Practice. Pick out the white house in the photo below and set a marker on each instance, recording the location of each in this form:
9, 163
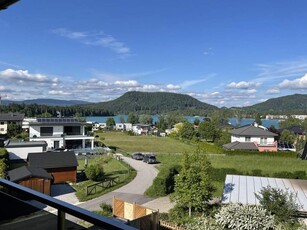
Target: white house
252, 137
60, 132
123, 126
141, 129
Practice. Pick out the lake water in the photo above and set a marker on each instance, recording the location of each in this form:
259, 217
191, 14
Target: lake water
155, 118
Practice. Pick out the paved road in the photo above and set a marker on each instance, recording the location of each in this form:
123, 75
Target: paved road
132, 192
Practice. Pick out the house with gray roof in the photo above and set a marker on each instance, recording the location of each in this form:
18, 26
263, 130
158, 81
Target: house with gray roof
252, 137
10, 118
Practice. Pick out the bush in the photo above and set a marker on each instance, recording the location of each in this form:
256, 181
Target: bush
245, 217
164, 183
106, 210
280, 203
202, 223
286, 154
95, 172
4, 162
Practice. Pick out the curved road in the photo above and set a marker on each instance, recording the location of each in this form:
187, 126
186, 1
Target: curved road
132, 192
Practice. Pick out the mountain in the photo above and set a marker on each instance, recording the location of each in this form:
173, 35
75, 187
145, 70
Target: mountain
291, 104
49, 102
155, 103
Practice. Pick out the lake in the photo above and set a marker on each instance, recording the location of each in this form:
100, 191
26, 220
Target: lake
233, 121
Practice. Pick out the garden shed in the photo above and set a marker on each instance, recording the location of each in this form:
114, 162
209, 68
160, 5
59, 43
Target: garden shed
34, 178
62, 166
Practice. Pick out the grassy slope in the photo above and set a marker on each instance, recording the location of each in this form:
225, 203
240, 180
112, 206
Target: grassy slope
169, 152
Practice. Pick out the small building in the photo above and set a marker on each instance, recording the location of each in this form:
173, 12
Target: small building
123, 126
10, 118
18, 150
62, 165
141, 129
34, 178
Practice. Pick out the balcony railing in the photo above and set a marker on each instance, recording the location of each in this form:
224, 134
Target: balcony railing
63, 208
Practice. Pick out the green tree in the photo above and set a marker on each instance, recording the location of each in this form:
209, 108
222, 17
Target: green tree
110, 123
258, 119
173, 118
208, 131
45, 114
133, 118
13, 129
287, 136
121, 119
291, 121
280, 203
161, 123
193, 188
186, 131
146, 119
94, 172
224, 138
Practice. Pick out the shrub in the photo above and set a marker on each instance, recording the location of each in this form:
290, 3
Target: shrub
280, 203
245, 217
95, 172
4, 162
164, 183
106, 210
202, 223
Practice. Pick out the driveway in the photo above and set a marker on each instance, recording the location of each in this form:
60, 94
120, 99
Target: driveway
132, 192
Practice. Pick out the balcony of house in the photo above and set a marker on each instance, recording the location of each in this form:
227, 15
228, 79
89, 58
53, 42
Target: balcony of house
19, 212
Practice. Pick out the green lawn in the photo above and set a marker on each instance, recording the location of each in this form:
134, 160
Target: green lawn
129, 144
113, 168
169, 151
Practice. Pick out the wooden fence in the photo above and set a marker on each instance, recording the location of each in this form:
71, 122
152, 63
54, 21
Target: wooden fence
107, 183
136, 215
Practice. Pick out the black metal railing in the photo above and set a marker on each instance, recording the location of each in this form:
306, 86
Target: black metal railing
63, 208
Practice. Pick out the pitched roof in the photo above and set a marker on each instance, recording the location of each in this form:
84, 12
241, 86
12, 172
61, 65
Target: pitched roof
25, 172
240, 146
11, 116
49, 160
251, 130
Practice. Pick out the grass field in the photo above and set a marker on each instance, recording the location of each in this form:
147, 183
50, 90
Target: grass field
169, 151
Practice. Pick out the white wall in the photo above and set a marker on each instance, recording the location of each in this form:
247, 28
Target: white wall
22, 153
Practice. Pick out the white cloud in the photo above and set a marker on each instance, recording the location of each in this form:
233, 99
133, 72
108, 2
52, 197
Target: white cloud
299, 83
243, 84
58, 92
95, 39
128, 83
173, 87
273, 91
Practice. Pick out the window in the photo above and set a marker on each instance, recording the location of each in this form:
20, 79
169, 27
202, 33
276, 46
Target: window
247, 139
46, 131
2, 123
2, 129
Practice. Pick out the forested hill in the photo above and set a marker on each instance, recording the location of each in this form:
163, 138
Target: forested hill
292, 104
155, 103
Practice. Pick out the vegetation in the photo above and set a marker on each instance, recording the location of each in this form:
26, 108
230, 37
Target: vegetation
193, 188
280, 203
4, 162
245, 217
95, 172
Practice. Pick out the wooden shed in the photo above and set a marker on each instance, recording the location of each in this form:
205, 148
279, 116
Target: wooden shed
34, 178
62, 166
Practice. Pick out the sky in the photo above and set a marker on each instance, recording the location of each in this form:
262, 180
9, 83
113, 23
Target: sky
222, 52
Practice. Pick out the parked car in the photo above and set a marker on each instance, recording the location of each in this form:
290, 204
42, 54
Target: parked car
137, 156
149, 158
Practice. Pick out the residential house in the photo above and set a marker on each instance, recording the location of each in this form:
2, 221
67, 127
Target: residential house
60, 133
123, 126
31, 177
141, 129
10, 118
62, 166
252, 137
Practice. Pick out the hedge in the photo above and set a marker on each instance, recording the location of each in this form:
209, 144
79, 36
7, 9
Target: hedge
4, 162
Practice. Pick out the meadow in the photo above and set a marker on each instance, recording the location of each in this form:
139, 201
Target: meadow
169, 152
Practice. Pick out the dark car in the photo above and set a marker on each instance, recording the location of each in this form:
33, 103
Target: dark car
137, 156
149, 158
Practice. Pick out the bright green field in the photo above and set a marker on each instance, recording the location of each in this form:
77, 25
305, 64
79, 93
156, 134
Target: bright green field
169, 151
129, 144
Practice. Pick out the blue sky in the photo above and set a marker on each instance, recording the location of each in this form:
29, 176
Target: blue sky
225, 53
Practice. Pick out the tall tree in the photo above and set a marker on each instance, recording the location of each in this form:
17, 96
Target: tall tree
133, 118
287, 136
186, 131
258, 119
207, 130
146, 119
193, 188
161, 123
110, 123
